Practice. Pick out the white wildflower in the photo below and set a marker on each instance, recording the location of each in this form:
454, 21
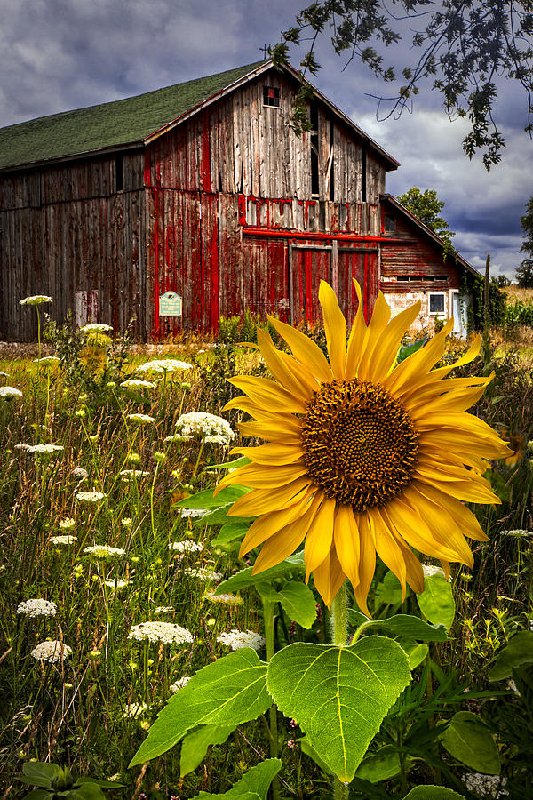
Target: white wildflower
186, 546
4, 374
45, 448
67, 524
96, 327
195, 512
35, 300
128, 474
127, 522
50, 360
237, 639
104, 551
9, 392
224, 599
37, 607
204, 574
66, 538
180, 683
144, 419
164, 609
90, 497
137, 383
117, 583
79, 473
165, 632
163, 365
53, 651
490, 786
432, 569
209, 427
21, 446
135, 709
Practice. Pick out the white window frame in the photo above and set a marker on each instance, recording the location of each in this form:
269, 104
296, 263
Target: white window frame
437, 313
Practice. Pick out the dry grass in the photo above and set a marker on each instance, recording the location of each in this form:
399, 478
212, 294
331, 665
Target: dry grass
514, 293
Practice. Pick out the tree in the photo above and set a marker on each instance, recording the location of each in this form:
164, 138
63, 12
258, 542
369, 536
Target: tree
524, 273
462, 46
427, 207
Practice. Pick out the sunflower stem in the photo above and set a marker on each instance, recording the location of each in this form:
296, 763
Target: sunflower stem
338, 623
269, 620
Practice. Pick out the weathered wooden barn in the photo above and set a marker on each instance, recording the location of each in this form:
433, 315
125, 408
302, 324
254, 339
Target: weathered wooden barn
199, 200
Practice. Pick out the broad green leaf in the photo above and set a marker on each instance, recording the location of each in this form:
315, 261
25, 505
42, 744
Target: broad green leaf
416, 653
339, 695
436, 601
298, 602
244, 578
432, 793
87, 791
38, 794
517, 652
306, 748
206, 499
356, 618
407, 350
235, 464
388, 591
380, 766
470, 741
254, 784
98, 782
230, 531
195, 745
226, 692
411, 627
39, 774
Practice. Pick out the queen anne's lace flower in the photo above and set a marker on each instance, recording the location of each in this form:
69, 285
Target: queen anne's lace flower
165, 632
51, 360
203, 574
9, 391
80, 473
128, 474
52, 652
209, 427
104, 551
37, 607
63, 539
224, 599
90, 497
67, 524
237, 639
195, 512
35, 300
135, 709
96, 327
180, 683
143, 419
45, 448
163, 365
118, 583
186, 546
137, 383
432, 569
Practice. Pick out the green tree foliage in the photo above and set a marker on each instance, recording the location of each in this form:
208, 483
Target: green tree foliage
427, 207
524, 273
461, 47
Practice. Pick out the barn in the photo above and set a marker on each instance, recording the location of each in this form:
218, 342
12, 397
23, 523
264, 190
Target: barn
165, 211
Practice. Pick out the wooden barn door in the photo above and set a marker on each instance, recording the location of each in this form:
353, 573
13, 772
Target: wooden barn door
361, 264
308, 266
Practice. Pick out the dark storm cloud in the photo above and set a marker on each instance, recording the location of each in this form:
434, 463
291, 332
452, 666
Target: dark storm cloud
62, 54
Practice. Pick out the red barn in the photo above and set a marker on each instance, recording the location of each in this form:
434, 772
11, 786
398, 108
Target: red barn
199, 200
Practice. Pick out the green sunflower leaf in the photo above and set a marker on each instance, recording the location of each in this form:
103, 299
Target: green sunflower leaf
436, 601
37, 773
226, 692
517, 653
254, 784
432, 793
229, 532
196, 743
411, 627
339, 696
470, 741
206, 499
298, 602
380, 766
244, 578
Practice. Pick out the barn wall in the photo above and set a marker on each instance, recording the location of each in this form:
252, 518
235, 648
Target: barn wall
66, 232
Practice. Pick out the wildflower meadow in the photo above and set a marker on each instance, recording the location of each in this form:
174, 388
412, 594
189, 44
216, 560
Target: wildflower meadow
286, 563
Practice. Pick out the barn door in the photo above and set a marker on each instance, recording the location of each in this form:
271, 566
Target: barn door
308, 266
361, 264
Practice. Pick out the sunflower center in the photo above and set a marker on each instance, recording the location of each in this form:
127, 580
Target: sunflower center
359, 443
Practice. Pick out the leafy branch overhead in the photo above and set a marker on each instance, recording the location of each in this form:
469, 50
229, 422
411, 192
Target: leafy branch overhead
463, 48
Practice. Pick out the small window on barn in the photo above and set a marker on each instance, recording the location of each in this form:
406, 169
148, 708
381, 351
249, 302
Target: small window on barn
436, 302
390, 223
271, 96
119, 174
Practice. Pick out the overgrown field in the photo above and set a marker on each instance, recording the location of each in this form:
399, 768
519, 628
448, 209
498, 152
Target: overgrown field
98, 458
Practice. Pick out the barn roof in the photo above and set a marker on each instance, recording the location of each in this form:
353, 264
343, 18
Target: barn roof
133, 121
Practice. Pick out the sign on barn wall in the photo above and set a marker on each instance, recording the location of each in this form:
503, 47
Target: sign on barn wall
170, 305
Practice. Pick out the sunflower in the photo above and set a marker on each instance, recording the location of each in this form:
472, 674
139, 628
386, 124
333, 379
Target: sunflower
362, 456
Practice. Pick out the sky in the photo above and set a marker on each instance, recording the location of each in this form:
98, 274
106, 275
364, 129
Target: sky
63, 54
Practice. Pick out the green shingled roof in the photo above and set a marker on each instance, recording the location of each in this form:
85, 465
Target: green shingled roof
109, 125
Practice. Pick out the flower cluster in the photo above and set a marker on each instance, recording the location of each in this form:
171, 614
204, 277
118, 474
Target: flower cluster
45, 448
104, 551
90, 497
224, 599
490, 786
117, 583
165, 632
50, 360
79, 473
9, 392
203, 574
35, 300
63, 539
163, 365
96, 327
137, 383
186, 546
209, 427
180, 683
37, 607
128, 474
143, 419
52, 652
67, 524
237, 639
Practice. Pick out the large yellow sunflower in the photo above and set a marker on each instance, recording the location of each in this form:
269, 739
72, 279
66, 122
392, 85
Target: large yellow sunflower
362, 456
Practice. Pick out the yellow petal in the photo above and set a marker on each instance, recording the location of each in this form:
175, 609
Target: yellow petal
319, 536
335, 329
262, 501
408, 373
286, 369
358, 338
268, 394
283, 543
387, 548
465, 441
382, 355
367, 563
261, 477
469, 491
273, 454
376, 328
328, 577
282, 430
346, 536
304, 350
263, 528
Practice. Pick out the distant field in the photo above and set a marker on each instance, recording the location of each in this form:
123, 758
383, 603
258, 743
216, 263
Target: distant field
516, 293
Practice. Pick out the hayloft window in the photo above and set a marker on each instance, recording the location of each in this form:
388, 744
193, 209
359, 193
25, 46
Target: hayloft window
436, 302
119, 174
271, 96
